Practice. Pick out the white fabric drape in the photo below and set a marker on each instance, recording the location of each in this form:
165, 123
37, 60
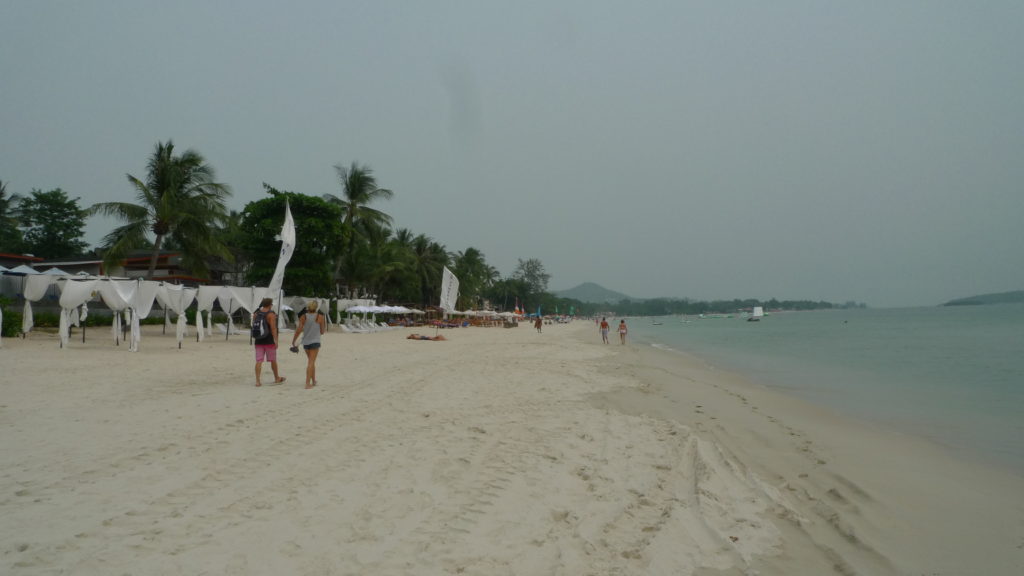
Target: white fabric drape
178, 298
242, 297
205, 298
231, 298
118, 295
133, 300
73, 294
145, 295
35, 287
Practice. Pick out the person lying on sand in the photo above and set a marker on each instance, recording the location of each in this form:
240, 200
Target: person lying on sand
421, 337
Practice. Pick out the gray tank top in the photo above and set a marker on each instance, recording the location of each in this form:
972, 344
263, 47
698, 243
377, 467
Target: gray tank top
311, 330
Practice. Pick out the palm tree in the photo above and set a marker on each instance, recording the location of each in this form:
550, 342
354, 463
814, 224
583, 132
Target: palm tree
231, 235
429, 258
473, 273
359, 190
10, 236
399, 281
179, 199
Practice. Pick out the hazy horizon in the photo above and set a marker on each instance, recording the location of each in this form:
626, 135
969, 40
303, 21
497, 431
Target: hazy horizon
799, 150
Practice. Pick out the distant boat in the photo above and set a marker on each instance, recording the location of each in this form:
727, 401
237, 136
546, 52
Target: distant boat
756, 315
655, 323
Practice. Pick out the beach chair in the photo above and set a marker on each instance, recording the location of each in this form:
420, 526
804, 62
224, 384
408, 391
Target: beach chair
353, 325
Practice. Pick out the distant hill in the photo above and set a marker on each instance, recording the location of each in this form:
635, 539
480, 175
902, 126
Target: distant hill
998, 298
593, 293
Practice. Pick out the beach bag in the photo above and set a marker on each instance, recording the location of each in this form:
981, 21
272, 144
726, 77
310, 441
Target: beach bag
260, 326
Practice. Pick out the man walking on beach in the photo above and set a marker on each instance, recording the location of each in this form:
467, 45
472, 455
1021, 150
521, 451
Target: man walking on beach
266, 346
604, 330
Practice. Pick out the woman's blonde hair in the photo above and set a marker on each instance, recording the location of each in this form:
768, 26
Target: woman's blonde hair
312, 305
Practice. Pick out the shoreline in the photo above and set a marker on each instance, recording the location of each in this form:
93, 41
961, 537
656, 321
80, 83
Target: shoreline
956, 407
496, 451
942, 513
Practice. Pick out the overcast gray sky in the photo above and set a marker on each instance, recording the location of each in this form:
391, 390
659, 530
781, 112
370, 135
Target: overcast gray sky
867, 151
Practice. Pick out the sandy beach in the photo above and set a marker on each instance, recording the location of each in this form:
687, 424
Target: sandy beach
498, 451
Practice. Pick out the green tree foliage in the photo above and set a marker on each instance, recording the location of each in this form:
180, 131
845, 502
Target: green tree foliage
318, 230
428, 260
666, 306
398, 281
474, 276
230, 234
359, 189
10, 235
531, 272
53, 224
179, 199
503, 293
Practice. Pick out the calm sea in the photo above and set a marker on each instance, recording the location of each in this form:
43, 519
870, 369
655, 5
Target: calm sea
952, 374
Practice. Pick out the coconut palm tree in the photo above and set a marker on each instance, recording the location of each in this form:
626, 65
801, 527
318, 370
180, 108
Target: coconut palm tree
397, 279
180, 200
10, 236
429, 258
359, 190
474, 275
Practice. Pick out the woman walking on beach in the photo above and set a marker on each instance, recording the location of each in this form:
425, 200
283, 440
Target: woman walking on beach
622, 332
312, 326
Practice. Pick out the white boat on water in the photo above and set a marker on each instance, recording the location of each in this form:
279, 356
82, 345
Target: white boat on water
756, 315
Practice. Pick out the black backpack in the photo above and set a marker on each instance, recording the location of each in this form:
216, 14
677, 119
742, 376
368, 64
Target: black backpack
260, 326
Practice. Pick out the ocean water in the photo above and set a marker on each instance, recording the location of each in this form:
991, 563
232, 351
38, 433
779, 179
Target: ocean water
954, 375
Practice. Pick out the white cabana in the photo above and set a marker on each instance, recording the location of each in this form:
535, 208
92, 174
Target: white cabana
178, 298
118, 295
34, 287
73, 293
231, 298
131, 301
205, 298
145, 296
55, 272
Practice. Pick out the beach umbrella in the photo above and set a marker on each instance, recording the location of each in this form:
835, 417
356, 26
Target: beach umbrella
22, 269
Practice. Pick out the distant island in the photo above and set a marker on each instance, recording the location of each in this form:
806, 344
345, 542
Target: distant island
589, 298
1014, 297
593, 293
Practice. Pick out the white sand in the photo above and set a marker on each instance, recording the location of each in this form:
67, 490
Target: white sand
496, 452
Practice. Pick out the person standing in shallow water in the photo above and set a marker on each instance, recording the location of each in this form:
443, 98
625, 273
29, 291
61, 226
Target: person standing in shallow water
266, 347
622, 332
312, 326
604, 330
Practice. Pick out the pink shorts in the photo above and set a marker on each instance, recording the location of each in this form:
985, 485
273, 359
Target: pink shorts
266, 352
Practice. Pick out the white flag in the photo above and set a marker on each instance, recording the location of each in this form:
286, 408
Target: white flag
449, 290
287, 247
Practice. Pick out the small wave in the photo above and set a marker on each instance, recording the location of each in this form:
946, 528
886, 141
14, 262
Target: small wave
665, 347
